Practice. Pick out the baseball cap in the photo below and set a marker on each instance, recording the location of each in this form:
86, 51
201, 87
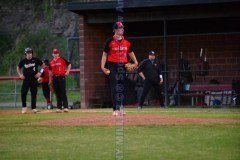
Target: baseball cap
151, 53
117, 25
28, 50
55, 51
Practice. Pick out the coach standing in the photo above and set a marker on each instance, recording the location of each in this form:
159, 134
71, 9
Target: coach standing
57, 74
150, 71
115, 54
27, 70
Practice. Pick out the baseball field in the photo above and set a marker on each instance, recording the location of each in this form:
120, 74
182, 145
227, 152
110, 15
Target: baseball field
149, 134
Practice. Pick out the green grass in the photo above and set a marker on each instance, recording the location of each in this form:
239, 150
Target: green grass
23, 140
9, 87
195, 112
183, 142
57, 143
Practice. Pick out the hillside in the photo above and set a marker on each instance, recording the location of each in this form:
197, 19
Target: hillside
40, 24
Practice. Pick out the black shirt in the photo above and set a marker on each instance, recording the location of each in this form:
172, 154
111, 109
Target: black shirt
30, 67
150, 70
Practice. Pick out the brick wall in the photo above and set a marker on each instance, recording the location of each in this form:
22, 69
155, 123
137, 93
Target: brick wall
222, 53
92, 80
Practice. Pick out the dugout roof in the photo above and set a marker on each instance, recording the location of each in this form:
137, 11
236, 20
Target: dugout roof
190, 16
150, 10
130, 4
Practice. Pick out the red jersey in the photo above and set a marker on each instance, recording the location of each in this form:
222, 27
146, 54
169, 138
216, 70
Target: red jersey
117, 50
45, 74
57, 66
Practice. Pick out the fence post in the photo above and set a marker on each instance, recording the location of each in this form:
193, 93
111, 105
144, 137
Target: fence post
15, 93
165, 61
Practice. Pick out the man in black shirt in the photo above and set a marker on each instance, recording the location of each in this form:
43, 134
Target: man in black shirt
27, 70
150, 71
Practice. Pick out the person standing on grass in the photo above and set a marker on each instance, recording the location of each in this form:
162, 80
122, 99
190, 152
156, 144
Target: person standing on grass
58, 72
115, 55
27, 70
44, 80
151, 72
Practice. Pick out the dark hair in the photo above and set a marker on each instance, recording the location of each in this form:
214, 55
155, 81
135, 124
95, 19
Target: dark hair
46, 62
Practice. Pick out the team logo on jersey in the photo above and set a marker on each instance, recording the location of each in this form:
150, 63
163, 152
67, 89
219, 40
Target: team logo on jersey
121, 48
29, 65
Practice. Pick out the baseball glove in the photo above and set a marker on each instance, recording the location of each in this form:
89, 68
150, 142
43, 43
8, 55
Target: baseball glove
51, 87
130, 68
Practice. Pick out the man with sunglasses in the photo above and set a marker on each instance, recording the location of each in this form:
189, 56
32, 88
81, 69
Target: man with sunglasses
27, 70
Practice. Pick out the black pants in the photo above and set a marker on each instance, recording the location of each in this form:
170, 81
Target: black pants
32, 84
148, 84
59, 84
117, 83
46, 91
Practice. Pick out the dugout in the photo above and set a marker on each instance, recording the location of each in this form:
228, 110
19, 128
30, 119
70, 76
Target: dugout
169, 28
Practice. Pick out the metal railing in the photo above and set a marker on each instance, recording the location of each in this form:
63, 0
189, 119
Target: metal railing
15, 93
15, 79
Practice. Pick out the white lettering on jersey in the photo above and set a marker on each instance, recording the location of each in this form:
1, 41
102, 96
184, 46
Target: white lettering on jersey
29, 65
121, 48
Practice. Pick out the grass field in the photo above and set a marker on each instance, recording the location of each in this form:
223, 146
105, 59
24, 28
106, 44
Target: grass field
8, 87
23, 138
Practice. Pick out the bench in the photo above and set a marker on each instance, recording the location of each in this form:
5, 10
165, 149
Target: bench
212, 90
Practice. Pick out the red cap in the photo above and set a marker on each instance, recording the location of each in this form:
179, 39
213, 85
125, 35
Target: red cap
55, 51
117, 25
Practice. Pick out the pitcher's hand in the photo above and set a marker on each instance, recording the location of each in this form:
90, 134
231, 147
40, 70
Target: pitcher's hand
106, 71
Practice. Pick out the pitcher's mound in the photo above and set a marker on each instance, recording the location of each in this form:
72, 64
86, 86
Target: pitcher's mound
134, 120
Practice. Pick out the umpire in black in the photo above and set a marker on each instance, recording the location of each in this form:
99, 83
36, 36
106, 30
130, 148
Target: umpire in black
151, 72
27, 70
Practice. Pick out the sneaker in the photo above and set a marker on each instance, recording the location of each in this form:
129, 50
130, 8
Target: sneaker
58, 110
35, 110
118, 113
49, 106
114, 113
65, 110
139, 107
24, 110
121, 113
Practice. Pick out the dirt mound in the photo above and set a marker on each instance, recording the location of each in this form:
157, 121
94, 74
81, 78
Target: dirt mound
135, 120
